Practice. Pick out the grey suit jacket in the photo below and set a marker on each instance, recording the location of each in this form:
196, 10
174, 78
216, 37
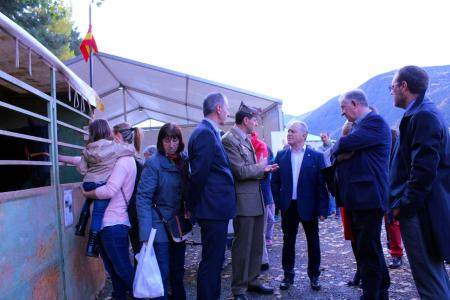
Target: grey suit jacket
246, 172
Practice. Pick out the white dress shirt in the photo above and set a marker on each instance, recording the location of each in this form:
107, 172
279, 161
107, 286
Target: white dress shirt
296, 162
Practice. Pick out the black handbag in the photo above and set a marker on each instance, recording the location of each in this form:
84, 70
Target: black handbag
329, 177
178, 228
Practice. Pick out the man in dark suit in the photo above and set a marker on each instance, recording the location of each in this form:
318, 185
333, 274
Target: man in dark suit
363, 187
212, 196
299, 190
420, 183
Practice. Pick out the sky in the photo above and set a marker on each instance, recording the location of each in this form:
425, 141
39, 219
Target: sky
302, 52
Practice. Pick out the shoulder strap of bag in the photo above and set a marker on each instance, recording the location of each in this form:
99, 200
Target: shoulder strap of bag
159, 213
124, 198
163, 220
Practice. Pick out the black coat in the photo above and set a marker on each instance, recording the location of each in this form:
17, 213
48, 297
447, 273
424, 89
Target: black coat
420, 174
363, 178
211, 192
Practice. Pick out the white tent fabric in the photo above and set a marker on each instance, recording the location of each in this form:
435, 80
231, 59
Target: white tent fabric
134, 92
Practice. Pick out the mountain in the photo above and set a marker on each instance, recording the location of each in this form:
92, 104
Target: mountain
328, 116
291, 118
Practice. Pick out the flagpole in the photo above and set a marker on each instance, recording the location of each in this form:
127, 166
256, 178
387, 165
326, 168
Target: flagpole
91, 66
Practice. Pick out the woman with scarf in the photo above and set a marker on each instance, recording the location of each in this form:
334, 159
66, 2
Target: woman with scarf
162, 190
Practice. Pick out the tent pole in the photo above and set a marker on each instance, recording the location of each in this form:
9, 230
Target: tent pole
186, 98
124, 105
91, 65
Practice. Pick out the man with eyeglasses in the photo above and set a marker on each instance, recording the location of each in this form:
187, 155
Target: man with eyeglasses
325, 148
363, 187
420, 183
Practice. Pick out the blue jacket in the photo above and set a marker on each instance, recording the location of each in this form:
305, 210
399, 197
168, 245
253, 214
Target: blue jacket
363, 178
420, 174
266, 188
211, 193
161, 183
312, 195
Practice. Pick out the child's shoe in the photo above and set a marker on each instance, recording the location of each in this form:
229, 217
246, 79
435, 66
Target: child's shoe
80, 228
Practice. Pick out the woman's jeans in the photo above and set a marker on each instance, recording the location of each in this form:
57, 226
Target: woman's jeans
170, 257
270, 208
114, 250
332, 207
100, 206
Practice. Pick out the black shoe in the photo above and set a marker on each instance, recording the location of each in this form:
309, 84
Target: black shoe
395, 263
265, 267
356, 282
286, 283
353, 283
80, 228
240, 297
261, 289
92, 248
315, 285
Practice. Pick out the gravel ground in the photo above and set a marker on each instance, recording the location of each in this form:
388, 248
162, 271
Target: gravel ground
337, 267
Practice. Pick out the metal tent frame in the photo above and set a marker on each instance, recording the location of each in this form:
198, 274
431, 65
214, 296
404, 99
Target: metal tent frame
133, 92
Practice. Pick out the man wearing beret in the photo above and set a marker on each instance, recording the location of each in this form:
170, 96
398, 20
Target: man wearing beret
248, 225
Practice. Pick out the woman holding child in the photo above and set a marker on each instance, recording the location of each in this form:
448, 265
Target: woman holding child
113, 241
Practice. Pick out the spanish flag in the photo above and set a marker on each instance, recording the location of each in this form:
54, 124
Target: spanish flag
88, 41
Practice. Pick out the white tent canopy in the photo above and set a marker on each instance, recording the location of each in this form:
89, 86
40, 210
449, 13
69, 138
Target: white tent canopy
134, 92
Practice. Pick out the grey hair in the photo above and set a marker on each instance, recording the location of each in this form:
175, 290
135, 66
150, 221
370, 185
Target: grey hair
303, 126
151, 149
211, 101
358, 95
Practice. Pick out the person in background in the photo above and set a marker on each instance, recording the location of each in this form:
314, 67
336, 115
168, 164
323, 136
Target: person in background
114, 237
149, 151
363, 187
420, 183
325, 148
348, 234
163, 187
212, 195
298, 187
392, 225
262, 152
268, 200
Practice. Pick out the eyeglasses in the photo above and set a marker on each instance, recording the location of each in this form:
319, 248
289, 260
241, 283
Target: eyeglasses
391, 87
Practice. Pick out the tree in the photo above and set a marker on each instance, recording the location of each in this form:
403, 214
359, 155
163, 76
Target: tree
49, 21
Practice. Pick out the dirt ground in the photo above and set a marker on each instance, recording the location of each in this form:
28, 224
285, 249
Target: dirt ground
337, 268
